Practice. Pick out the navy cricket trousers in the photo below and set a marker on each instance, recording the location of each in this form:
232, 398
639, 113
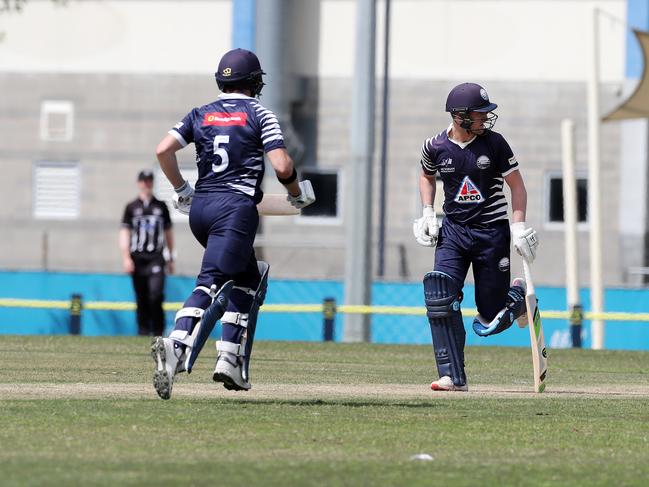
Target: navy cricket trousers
225, 224
487, 248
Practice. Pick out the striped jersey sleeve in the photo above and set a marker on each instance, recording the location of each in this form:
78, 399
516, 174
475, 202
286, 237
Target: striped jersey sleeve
507, 162
183, 131
271, 133
428, 163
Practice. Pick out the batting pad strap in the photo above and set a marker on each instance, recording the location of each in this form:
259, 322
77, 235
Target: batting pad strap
246, 290
210, 291
189, 313
234, 318
228, 347
182, 336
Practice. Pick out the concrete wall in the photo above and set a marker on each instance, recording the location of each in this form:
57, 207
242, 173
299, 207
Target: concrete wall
122, 109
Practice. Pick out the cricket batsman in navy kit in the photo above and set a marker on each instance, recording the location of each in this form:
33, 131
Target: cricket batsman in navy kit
231, 136
473, 163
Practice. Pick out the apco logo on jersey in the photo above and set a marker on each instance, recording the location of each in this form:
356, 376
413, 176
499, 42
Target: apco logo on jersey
468, 193
225, 118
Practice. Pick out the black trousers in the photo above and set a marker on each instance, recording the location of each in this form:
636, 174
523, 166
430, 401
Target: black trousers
149, 283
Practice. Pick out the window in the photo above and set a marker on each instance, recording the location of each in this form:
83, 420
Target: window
554, 213
164, 192
325, 186
56, 190
57, 121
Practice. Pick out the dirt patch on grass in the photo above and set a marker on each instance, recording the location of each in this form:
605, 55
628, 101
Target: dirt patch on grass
291, 392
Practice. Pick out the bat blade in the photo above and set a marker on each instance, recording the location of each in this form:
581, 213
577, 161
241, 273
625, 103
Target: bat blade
537, 339
276, 205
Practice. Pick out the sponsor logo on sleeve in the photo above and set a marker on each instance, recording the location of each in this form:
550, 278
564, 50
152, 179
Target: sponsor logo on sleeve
446, 165
512, 160
178, 125
225, 118
483, 162
468, 193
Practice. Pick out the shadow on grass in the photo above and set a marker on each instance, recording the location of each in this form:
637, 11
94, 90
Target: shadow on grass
329, 402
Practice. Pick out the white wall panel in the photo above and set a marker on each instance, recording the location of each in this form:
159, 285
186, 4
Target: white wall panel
544, 40
116, 36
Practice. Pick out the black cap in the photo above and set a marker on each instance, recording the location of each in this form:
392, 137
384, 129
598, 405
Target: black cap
145, 175
469, 97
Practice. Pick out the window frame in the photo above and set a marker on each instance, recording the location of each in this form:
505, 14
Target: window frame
57, 107
560, 226
326, 220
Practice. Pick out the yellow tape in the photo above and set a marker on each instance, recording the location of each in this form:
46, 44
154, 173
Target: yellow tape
307, 308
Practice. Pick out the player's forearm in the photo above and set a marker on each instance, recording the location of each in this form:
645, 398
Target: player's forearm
166, 154
169, 240
519, 203
124, 240
427, 188
284, 169
519, 196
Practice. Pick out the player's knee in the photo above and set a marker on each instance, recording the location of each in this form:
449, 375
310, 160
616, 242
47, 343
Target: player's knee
442, 294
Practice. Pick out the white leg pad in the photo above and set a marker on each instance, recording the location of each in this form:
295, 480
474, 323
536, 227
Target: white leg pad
234, 318
189, 313
181, 336
210, 291
229, 347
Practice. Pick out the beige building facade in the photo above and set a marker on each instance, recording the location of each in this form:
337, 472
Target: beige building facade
87, 95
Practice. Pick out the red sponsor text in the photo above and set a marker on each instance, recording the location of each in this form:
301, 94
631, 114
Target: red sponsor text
225, 118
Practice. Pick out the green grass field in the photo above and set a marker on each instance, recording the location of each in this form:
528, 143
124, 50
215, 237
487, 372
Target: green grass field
81, 411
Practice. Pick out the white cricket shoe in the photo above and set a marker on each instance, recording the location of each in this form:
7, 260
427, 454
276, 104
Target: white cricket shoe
169, 361
445, 383
228, 369
521, 321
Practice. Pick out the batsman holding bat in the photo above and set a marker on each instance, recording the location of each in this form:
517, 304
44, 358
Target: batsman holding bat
473, 163
231, 136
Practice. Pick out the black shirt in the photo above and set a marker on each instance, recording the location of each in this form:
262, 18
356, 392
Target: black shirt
147, 223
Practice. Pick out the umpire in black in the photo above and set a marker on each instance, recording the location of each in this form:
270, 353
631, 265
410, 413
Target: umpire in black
146, 231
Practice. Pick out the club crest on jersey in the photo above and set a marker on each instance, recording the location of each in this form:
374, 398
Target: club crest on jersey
225, 118
468, 192
483, 162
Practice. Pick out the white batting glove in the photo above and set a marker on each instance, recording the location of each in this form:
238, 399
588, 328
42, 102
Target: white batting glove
525, 241
426, 228
182, 198
306, 196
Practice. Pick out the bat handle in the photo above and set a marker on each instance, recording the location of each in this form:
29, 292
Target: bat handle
528, 277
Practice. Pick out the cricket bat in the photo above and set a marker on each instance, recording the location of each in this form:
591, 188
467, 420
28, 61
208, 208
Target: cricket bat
278, 205
539, 354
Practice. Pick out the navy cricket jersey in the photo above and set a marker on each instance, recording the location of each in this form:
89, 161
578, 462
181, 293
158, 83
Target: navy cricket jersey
472, 173
231, 136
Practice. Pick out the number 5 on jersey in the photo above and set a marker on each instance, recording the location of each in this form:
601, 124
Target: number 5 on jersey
219, 142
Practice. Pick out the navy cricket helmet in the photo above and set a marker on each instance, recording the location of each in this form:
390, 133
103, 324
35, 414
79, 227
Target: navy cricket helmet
240, 68
471, 97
